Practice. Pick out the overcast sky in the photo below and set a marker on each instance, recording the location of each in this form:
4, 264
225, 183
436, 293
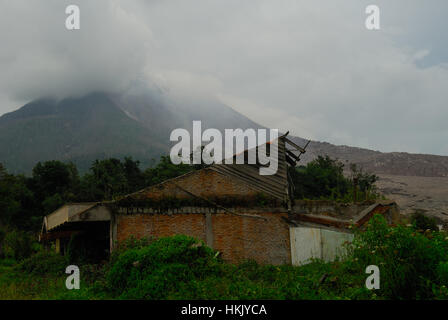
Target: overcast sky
307, 66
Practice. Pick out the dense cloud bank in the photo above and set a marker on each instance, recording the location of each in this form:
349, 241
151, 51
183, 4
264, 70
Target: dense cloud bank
310, 67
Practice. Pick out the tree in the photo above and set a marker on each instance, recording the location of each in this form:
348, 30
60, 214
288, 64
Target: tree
109, 177
54, 177
17, 203
364, 180
320, 178
134, 176
164, 170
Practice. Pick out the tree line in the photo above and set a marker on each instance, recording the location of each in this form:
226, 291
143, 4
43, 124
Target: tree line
24, 200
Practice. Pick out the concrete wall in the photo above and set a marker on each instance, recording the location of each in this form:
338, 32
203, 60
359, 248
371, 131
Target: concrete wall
308, 243
328, 208
238, 238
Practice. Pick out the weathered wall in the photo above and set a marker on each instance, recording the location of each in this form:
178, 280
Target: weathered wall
204, 183
238, 238
329, 208
160, 225
241, 238
318, 243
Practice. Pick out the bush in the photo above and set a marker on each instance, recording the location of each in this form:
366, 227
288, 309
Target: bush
17, 245
43, 263
152, 272
2, 237
408, 260
422, 222
129, 243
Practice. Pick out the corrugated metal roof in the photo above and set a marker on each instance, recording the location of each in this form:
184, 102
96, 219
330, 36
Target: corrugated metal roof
275, 185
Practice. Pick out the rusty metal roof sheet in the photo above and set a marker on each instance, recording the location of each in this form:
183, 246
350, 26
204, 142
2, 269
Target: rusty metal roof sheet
275, 185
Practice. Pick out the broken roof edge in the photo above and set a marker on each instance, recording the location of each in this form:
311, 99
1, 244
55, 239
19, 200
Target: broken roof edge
343, 224
72, 204
194, 171
89, 206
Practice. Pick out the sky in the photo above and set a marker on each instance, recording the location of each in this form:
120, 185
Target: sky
307, 66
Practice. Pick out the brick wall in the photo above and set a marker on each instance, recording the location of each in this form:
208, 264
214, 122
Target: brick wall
241, 238
237, 238
160, 225
204, 183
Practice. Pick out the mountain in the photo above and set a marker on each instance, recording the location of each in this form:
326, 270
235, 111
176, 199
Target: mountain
102, 125
395, 163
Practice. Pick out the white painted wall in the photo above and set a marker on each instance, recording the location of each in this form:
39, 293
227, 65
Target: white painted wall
307, 243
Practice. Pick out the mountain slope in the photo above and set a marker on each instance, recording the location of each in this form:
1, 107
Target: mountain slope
100, 125
103, 125
396, 163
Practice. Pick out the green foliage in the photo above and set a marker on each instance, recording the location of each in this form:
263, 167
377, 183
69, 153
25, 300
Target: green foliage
44, 263
130, 243
164, 170
320, 178
17, 203
408, 260
17, 245
422, 222
153, 271
365, 182
25, 200
2, 237
53, 202
54, 177
413, 265
323, 178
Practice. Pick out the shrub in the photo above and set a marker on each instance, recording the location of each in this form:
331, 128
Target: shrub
2, 237
17, 245
43, 263
130, 243
152, 272
408, 260
422, 222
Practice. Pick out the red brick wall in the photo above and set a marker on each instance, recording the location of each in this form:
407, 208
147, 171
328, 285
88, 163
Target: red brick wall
237, 238
241, 238
204, 183
160, 225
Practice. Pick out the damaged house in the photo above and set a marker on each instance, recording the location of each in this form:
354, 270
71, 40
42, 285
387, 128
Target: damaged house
231, 207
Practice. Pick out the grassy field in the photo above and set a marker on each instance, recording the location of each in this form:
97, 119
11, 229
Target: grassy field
245, 281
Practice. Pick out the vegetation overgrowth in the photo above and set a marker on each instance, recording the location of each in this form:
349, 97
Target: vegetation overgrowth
413, 264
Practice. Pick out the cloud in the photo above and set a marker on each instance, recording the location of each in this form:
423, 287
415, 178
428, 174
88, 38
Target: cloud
40, 57
310, 67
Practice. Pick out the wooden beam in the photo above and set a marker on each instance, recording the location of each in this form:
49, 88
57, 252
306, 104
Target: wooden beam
292, 155
302, 150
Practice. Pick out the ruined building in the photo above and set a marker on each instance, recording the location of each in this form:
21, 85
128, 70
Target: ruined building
232, 208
